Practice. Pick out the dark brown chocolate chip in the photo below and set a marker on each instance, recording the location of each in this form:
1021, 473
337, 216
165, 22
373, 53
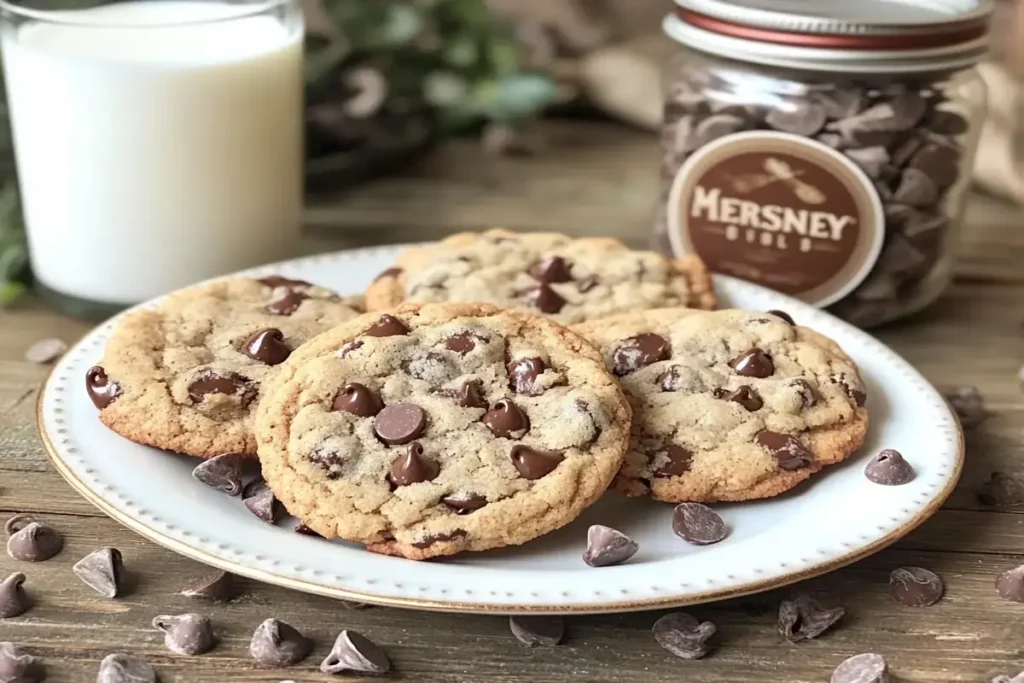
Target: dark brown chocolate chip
31, 541
806, 391
745, 395
216, 586
102, 390
1010, 585
639, 352
357, 399
607, 547
684, 635
523, 374
969, 405
715, 127
789, 452
917, 189
348, 348
587, 284
858, 396
400, 423
888, 468
552, 269
533, 463
275, 281
328, 459
782, 314
413, 467
941, 162
45, 351
287, 303
753, 363
13, 599
945, 122
464, 503
915, 587
18, 666
1002, 490
355, 653
469, 395
387, 326
841, 103
222, 472
209, 381
872, 160
865, 668
102, 571
798, 118
301, 528
680, 378
542, 630
545, 299
671, 460
393, 271
698, 524
260, 501
267, 346
434, 539
461, 343
506, 420
186, 634
277, 644
803, 618
122, 668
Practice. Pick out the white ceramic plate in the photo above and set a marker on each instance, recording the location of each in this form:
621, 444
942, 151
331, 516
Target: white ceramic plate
837, 518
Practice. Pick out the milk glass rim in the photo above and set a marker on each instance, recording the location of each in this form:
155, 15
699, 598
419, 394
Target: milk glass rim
68, 17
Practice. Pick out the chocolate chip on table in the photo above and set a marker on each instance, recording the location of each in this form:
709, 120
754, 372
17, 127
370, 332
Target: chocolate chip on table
533, 631
260, 501
789, 452
287, 303
803, 618
209, 381
915, 587
122, 668
753, 363
534, 463
413, 467
1002, 490
222, 472
684, 635
216, 586
357, 399
523, 374
782, 314
45, 351
18, 666
31, 541
102, 390
462, 503
387, 326
13, 599
187, 634
400, 423
545, 299
267, 346
353, 652
639, 352
277, 644
865, 668
698, 524
507, 420
552, 269
969, 405
671, 460
1010, 585
889, 468
607, 547
101, 570
745, 395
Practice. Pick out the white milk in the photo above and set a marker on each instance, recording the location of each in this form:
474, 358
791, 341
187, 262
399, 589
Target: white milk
152, 156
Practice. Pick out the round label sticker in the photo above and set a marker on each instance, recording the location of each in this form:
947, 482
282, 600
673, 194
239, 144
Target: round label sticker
779, 210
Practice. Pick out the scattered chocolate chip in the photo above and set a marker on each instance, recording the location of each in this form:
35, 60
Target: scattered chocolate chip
275, 281
534, 631
122, 668
400, 423
671, 460
545, 299
357, 399
552, 269
31, 541
782, 314
209, 381
394, 271
1002, 490
301, 528
217, 586
915, 587
260, 501
387, 326
355, 653
533, 463
888, 468
865, 668
1010, 585
287, 303
102, 571
683, 635
413, 467
13, 599
789, 452
267, 346
753, 363
587, 284
523, 374
434, 539
607, 547
222, 472
348, 348
461, 343
806, 391
277, 644
464, 503
17, 666
745, 395
102, 390
969, 405
698, 524
802, 118
639, 352
803, 618
187, 634
506, 419
45, 351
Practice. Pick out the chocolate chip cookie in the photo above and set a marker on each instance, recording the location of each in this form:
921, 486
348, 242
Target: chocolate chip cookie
438, 428
571, 280
186, 375
729, 405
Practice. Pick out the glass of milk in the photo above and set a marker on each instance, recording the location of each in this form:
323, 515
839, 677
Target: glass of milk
158, 142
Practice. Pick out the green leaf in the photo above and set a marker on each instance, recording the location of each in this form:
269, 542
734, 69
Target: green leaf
504, 57
461, 51
10, 292
402, 25
516, 96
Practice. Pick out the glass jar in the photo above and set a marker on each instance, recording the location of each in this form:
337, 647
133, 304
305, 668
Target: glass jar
826, 156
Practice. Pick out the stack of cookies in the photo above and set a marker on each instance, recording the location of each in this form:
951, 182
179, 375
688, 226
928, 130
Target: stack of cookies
499, 384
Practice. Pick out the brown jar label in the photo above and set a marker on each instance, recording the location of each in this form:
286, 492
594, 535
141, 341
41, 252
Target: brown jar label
779, 210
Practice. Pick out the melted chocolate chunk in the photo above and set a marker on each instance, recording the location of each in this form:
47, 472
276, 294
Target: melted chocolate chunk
464, 503
439, 538
102, 390
462, 343
534, 463
267, 346
287, 304
387, 326
279, 281
357, 399
552, 269
789, 452
209, 381
744, 395
753, 363
523, 374
671, 461
639, 352
545, 299
506, 420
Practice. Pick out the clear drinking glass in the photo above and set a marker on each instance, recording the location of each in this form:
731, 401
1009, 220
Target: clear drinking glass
158, 142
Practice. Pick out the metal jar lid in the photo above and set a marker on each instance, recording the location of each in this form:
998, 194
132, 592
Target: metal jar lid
867, 36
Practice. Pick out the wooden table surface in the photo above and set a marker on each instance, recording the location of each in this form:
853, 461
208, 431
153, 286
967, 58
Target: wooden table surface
594, 179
